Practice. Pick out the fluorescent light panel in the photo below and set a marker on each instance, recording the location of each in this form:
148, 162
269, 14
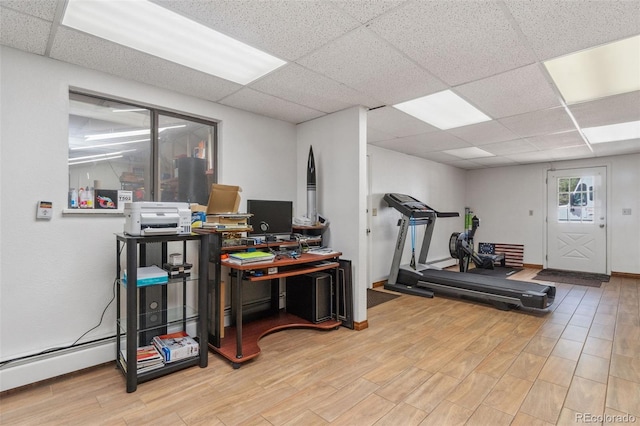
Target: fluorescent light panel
444, 110
613, 132
142, 132
469, 153
152, 29
595, 73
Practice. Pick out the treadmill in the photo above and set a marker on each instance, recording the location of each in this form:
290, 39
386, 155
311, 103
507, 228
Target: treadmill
421, 279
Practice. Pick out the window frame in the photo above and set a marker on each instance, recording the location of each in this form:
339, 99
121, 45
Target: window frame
154, 146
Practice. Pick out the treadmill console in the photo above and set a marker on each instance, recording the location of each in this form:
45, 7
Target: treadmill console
411, 207
408, 206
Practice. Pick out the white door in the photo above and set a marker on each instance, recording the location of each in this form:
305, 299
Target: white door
576, 220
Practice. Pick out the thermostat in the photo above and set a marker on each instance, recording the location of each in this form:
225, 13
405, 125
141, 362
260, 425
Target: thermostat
45, 210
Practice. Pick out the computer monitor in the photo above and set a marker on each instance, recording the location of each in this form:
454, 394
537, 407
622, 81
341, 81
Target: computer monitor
270, 217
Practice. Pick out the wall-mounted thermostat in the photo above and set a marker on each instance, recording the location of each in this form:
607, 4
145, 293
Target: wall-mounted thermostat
45, 210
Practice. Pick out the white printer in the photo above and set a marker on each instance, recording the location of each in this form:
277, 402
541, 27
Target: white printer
144, 218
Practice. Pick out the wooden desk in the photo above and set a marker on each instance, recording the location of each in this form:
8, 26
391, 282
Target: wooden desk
238, 347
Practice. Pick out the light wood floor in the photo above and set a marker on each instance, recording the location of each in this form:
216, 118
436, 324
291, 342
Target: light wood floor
421, 362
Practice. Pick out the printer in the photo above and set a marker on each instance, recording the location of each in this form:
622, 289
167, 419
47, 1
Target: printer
145, 218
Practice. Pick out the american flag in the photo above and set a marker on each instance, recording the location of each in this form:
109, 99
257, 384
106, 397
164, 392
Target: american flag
513, 253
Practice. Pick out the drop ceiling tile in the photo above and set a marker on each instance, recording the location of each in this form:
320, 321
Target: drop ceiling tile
509, 147
558, 27
287, 29
98, 54
397, 123
366, 10
440, 157
375, 135
572, 153
23, 32
466, 164
43, 9
616, 148
299, 85
532, 157
495, 161
421, 145
484, 133
536, 123
513, 92
363, 61
611, 110
557, 140
458, 41
270, 106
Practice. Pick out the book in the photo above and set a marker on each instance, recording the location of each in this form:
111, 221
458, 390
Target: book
246, 257
176, 346
147, 355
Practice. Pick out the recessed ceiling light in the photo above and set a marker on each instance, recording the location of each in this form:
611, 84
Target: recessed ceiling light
152, 29
469, 153
595, 73
444, 110
613, 132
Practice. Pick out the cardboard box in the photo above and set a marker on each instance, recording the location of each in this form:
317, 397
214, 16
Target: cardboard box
223, 199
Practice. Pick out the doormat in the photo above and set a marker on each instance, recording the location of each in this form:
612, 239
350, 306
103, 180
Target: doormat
375, 298
572, 277
497, 271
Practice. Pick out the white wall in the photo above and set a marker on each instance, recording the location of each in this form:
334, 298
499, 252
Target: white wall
439, 186
502, 197
56, 277
339, 149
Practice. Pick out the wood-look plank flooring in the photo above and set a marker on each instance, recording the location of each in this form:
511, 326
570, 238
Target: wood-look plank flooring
422, 361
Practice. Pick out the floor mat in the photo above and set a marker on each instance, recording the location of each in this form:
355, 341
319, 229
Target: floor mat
572, 277
374, 297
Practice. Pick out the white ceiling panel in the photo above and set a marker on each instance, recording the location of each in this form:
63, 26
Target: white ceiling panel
510, 93
363, 61
43, 9
91, 52
376, 53
557, 140
297, 84
558, 27
397, 123
539, 122
286, 29
610, 110
509, 147
494, 161
571, 153
484, 133
23, 32
618, 148
270, 106
458, 41
366, 10
532, 157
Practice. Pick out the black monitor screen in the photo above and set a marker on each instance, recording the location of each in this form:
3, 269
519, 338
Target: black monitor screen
270, 217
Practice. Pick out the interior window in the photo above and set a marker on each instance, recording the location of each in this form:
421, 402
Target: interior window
111, 160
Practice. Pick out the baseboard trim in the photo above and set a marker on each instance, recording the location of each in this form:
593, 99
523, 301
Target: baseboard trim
20, 373
625, 275
379, 283
532, 266
361, 325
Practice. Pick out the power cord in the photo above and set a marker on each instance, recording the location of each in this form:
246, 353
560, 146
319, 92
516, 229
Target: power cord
60, 348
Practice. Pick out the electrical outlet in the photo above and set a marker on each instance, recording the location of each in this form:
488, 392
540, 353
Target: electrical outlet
374, 212
626, 212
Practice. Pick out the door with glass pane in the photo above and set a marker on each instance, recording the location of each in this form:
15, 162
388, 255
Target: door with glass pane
576, 220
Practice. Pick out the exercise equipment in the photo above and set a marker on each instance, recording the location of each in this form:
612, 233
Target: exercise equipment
461, 248
421, 279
